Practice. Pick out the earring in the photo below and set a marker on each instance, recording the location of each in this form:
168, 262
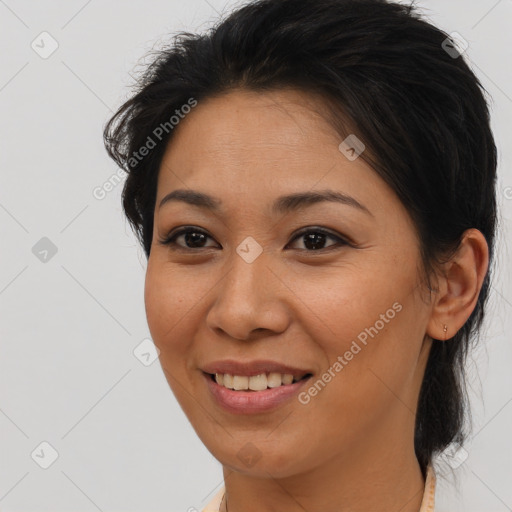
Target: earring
445, 328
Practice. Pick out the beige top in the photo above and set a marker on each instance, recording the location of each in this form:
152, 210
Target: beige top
427, 504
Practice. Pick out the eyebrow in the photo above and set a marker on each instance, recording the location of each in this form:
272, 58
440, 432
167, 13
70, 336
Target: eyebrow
282, 204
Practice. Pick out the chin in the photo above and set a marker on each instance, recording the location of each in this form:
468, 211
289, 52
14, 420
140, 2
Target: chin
262, 462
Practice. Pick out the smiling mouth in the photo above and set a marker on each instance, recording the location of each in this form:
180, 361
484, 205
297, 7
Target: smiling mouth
256, 383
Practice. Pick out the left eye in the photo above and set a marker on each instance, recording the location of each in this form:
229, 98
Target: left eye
315, 238
194, 238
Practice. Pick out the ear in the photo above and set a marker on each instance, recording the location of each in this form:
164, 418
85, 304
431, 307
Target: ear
459, 286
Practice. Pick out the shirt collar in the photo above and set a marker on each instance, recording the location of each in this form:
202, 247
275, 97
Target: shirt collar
427, 504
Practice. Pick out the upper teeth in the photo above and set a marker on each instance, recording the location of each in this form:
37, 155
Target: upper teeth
256, 382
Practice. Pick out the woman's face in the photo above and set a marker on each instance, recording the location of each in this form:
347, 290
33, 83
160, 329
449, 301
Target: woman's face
258, 279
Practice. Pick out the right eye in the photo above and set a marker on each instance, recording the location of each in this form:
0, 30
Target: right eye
193, 236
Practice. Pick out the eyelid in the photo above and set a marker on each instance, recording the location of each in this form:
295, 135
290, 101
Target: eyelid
342, 240
170, 239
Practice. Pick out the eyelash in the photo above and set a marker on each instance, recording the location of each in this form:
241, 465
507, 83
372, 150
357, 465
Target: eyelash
171, 239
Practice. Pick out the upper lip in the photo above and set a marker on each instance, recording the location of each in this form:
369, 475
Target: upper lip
250, 368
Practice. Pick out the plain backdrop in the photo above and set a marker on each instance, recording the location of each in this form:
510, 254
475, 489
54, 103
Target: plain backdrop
77, 393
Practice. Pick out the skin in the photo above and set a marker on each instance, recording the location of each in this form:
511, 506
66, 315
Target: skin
351, 448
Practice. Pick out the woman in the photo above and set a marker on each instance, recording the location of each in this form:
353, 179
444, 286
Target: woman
313, 183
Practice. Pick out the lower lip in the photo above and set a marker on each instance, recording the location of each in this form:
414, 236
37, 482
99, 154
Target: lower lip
252, 402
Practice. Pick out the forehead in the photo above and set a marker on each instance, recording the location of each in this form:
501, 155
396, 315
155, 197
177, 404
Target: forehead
241, 126
255, 146
277, 121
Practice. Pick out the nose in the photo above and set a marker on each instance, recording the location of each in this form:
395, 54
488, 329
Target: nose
250, 301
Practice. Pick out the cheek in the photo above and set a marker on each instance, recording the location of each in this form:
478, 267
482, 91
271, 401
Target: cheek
169, 312
367, 338
348, 307
167, 306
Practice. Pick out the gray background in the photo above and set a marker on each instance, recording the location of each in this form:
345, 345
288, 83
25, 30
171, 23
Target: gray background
70, 323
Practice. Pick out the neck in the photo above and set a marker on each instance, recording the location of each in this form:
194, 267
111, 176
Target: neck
378, 476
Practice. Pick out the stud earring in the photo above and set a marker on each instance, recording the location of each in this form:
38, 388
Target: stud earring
445, 328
